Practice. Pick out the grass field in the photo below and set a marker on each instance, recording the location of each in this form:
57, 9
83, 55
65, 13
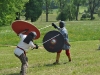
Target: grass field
84, 39
78, 31
85, 61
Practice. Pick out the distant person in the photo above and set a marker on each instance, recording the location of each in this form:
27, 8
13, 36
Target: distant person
25, 43
66, 46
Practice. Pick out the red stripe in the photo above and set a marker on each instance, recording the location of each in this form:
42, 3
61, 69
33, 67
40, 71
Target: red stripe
22, 50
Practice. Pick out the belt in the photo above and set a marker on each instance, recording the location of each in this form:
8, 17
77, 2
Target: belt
22, 50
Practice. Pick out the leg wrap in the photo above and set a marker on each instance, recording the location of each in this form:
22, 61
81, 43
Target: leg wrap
59, 51
67, 52
23, 60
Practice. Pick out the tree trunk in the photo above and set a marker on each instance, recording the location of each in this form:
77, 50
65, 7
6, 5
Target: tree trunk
77, 11
92, 12
46, 11
70, 17
92, 6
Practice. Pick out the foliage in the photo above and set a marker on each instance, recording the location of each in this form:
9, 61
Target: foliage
8, 8
62, 11
68, 12
92, 6
85, 16
77, 4
62, 16
51, 5
47, 4
33, 9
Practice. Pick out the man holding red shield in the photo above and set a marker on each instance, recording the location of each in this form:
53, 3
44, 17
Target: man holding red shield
20, 51
27, 33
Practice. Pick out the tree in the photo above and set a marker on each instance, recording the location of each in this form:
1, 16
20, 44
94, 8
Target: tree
62, 10
8, 8
67, 13
33, 9
47, 3
77, 4
62, 4
66, 10
92, 5
47, 8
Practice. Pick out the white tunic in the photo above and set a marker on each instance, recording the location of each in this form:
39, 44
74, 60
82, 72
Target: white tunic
23, 45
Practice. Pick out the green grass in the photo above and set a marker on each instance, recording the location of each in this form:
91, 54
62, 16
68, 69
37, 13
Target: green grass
83, 36
85, 61
78, 31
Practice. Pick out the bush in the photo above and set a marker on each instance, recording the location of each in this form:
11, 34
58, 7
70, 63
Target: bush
6, 20
62, 16
33, 9
85, 16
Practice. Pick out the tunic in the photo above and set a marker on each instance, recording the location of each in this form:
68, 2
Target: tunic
23, 45
64, 32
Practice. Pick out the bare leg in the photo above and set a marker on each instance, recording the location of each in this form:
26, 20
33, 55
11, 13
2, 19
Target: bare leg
57, 57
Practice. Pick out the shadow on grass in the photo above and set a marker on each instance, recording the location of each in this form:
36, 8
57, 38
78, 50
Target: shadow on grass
55, 64
48, 65
14, 74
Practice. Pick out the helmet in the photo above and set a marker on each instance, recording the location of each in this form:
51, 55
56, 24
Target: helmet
61, 24
34, 34
30, 37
